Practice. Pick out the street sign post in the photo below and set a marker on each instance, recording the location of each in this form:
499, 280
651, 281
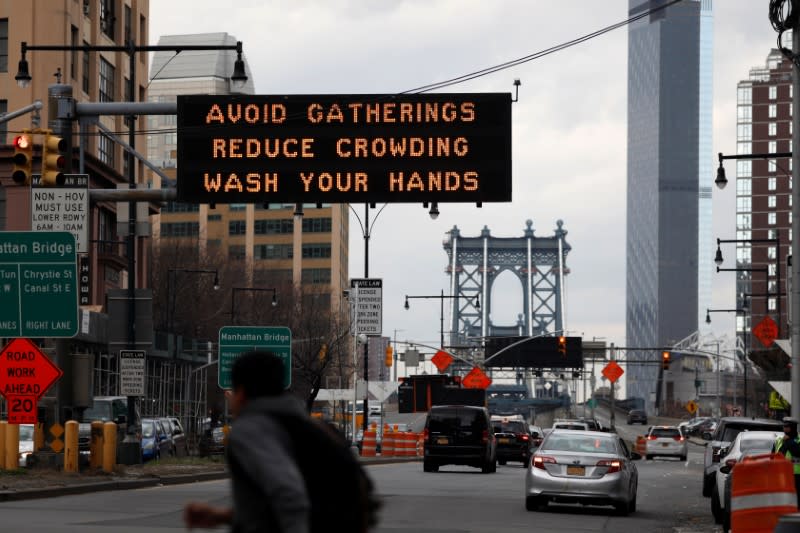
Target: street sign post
25, 375
62, 208
235, 340
38, 284
131, 372
368, 301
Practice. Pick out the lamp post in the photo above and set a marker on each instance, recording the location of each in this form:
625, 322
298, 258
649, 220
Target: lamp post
442, 297
171, 275
234, 290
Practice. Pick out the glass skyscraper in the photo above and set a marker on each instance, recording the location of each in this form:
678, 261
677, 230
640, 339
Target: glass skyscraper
670, 174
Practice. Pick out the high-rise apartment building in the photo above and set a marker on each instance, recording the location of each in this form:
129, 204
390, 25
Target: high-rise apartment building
763, 196
274, 244
670, 173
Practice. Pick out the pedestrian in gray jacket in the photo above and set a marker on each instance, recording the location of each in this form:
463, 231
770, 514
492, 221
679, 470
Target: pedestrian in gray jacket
269, 492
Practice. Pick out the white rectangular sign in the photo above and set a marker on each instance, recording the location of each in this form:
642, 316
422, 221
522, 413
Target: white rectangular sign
367, 297
62, 208
131, 372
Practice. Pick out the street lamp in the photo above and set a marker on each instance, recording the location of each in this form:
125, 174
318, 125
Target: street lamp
171, 274
442, 297
722, 180
234, 290
708, 311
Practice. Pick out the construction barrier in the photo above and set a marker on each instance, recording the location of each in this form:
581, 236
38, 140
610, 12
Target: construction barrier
420, 444
387, 443
641, 445
762, 490
401, 443
369, 444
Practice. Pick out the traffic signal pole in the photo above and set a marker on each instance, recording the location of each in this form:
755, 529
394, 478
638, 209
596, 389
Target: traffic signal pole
795, 295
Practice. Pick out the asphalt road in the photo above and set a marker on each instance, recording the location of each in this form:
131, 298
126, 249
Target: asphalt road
457, 499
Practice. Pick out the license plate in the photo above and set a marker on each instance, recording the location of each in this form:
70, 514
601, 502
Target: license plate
503, 441
576, 470
665, 444
442, 440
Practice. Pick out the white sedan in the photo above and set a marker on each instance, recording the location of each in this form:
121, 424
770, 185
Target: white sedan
746, 442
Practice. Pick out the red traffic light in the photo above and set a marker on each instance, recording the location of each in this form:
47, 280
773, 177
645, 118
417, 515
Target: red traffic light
23, 142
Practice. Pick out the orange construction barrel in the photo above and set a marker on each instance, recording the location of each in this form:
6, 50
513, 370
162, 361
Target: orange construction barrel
370, 443
762, 490
641, 445
387, 444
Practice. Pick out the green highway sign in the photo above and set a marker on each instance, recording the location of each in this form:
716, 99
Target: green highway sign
38, 284
235, 340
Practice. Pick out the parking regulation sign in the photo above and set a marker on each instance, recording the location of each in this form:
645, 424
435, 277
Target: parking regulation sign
131, 372
366, 295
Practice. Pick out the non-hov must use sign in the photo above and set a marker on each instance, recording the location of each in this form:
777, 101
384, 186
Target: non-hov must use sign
63, 207
443, 147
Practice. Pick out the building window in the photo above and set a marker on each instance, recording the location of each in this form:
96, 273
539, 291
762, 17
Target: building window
771, 219
106, 81
743, 221
142, 35
773, 110
743, 204
180, 207
3, 45
316, 251
773, 269
237, 227
108, 17
3, 125
771, 305
317, 276
771, 253
744, 169
772, 183
233, 207
275, 226
773, 92
773, 129
744, 95
744, 132
744, 186
772, 201
772, 147
273, 251
127, 21
772, 166
86, 62
180, 229
214, 218
317, 225
236, 251
771, 233
744, 113
744, 255
105, 149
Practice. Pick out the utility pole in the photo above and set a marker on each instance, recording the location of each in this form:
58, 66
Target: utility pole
613, 356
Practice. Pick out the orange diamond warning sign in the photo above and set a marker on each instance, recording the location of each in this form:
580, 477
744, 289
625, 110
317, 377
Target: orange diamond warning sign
766, 331
612, 371
476, 379
442, 360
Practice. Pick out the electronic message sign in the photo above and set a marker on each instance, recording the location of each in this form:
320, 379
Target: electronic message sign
344, 148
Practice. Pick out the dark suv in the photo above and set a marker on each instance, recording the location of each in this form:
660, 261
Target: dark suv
725, 434
637, 416
459, 435
513, 441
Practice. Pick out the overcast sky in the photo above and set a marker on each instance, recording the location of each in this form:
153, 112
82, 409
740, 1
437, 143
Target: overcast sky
569, 126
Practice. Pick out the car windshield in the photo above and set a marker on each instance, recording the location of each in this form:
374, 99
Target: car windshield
508, 427
665, 432
25, 432
579, 443
756, 444
147, 429
570, 426
98, 411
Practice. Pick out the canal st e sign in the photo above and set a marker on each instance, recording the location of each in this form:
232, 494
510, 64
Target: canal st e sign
344, 148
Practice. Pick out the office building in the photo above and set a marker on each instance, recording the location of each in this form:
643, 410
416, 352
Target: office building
670, 173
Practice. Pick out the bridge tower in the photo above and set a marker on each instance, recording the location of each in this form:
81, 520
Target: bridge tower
475, 262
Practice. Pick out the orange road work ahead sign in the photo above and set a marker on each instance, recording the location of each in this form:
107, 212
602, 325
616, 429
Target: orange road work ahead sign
476, 379
25, 370
612, 371
766, 331
442, 360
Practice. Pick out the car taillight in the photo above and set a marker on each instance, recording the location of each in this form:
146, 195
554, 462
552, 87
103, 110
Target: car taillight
426, 436
613, 466
730, 463
652, 437
679, 439
539, 461
485, 436
523, 436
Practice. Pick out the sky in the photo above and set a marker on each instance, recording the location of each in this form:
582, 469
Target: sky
568, 127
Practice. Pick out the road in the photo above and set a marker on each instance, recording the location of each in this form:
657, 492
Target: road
458, 499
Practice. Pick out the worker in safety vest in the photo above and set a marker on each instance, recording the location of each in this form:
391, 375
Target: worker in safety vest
789, 446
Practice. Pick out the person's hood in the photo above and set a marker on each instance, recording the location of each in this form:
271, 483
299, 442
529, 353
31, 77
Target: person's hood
285, 404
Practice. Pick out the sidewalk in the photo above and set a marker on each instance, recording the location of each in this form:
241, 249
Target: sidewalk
41, 483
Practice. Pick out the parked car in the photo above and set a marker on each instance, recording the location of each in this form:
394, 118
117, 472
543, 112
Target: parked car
459, 435
212, 442
691, 426
637, 416
725, 434
25, 444
155, 441
180, 446
666, 441
745, 443
587, 467
108, 409
707, 428
513, 440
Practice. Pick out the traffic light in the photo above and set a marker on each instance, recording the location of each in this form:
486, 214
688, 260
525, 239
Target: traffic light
54, 159
23, 155
389, 361
665, 360
562, 346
